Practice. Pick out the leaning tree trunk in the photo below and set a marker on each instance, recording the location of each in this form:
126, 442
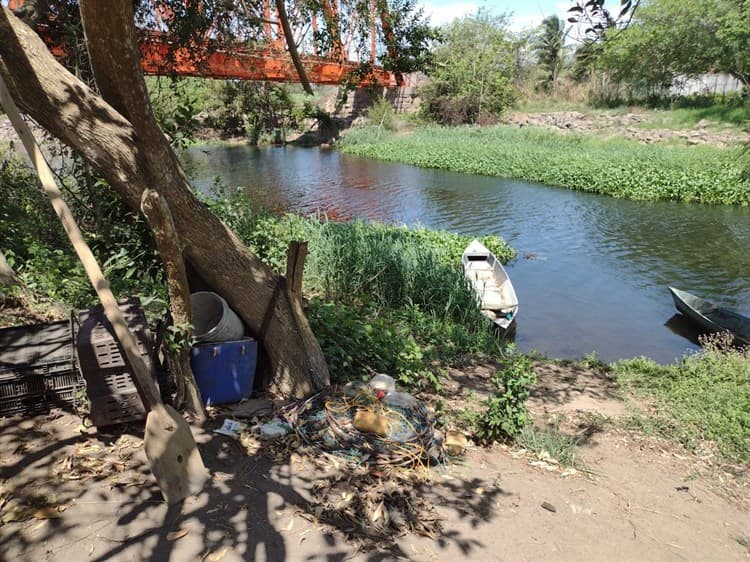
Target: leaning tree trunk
126, 147
7, 275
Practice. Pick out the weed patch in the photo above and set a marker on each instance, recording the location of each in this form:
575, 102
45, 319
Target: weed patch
704, 397
384, 298
550, 443
505, 413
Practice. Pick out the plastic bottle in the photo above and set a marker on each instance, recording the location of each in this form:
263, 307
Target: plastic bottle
402, 400
382, 385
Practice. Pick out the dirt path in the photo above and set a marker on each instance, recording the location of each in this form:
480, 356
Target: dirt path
644, 499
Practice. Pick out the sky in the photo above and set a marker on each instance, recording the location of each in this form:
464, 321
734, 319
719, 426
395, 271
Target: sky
525, 14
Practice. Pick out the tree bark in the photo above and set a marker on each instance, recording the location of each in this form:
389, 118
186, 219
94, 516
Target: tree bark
7, 275
132, 159
159, 218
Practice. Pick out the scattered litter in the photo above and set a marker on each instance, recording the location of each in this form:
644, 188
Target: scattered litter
231, 428
175, 535
549, 507
248, 408
370, 422
355, 423
275, 428
384, 383
214, 556
455, 442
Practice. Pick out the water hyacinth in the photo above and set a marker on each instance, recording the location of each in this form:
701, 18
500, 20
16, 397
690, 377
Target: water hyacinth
620, 168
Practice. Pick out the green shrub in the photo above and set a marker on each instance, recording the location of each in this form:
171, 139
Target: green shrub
381, 115
38, 249
505, 412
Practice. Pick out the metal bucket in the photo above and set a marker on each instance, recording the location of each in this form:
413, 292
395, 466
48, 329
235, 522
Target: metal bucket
213, 320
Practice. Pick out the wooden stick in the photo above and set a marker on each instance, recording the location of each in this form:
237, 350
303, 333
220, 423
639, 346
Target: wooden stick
154, 207
145, 384
295, 265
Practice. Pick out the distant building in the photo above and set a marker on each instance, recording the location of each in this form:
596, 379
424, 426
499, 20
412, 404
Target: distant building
705, 84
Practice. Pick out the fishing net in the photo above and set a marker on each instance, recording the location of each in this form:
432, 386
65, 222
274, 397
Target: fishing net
326, 421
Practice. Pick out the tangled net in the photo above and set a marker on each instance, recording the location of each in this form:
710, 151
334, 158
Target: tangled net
326, 421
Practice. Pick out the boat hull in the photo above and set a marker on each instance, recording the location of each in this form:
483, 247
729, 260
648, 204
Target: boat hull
711, 317
495, 293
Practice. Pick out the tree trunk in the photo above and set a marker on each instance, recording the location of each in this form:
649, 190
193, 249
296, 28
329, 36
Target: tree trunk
7, 275
132, 157
159, 218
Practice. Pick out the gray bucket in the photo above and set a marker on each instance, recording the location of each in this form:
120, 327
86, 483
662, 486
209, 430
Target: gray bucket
213, 320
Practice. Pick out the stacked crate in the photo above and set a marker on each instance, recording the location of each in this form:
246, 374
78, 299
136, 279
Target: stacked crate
112, 393
37, 369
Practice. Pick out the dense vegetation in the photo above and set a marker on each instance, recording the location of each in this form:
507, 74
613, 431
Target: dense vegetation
384, 298
654, 54
619, 168
473, 70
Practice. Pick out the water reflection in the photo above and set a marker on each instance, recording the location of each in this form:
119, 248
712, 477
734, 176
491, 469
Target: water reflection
597, 270
684, 327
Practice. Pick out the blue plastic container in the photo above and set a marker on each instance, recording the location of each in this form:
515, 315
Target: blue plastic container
224, 371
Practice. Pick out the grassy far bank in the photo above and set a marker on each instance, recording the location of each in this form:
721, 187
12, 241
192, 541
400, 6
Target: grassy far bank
619, 168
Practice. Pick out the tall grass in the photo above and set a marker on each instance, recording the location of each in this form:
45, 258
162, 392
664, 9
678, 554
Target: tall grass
384, 297
621, 168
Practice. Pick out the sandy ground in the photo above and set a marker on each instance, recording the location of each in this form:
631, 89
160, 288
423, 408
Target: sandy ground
639, 499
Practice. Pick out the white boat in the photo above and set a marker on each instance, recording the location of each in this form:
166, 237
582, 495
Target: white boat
495, 293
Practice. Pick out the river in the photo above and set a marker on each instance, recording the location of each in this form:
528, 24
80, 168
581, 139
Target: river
591, 273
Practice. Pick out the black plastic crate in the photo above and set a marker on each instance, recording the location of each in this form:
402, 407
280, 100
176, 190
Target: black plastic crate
110, 384
32, 394
97, 345
37, 368
116, 408
37, 349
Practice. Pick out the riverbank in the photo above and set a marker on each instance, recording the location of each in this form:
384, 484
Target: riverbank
611, 166
74, 493
591, 477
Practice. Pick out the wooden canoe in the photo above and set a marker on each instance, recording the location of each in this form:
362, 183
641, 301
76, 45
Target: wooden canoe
495, 292
712, 317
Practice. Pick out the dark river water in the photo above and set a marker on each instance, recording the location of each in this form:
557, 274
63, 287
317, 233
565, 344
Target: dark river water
591, 273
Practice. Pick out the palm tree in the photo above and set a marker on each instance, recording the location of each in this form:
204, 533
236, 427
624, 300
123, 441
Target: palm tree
549, 48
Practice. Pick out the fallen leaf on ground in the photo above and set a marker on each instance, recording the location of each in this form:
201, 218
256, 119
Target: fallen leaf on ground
174, 535
549, 507
215, 556
47, 512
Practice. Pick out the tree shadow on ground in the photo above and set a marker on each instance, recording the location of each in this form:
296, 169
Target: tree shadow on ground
561, 384
265, 500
